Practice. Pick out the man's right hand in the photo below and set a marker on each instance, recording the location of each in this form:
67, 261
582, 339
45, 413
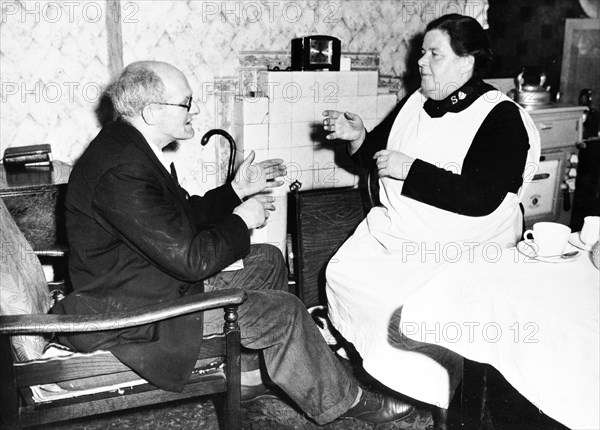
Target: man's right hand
252, 178
255, 211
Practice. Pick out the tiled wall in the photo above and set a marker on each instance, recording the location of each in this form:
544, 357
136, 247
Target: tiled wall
286, 123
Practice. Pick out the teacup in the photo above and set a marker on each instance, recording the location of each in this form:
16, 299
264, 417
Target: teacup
548, 238
590, 232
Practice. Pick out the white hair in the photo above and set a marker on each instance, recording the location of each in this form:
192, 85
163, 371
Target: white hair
137, 86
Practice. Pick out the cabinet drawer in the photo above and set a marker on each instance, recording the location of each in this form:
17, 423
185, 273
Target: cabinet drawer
555, 132
541, 199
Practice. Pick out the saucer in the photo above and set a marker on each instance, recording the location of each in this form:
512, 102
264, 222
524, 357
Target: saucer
576, 241
527, 250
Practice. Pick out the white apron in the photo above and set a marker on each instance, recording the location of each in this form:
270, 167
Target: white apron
404, 244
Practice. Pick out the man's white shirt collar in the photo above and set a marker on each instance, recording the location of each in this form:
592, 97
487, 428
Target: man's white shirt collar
161, 157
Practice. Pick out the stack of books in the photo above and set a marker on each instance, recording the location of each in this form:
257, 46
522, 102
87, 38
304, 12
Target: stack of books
28, 156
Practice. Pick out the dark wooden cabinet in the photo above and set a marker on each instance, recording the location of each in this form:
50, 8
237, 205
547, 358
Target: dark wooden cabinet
35, 199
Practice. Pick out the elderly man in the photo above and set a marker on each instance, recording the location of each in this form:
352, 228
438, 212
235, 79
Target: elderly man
137, 238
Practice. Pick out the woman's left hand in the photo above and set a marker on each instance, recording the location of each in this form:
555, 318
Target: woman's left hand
392, 164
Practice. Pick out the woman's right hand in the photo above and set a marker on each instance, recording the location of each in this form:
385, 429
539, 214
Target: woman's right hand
345, 126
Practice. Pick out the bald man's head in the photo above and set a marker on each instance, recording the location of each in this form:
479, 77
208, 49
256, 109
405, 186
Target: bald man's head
141, 83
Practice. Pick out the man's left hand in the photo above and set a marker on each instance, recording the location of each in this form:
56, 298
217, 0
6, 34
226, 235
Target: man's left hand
393, 164
252, 178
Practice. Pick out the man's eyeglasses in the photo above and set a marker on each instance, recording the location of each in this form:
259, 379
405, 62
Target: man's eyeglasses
187, 106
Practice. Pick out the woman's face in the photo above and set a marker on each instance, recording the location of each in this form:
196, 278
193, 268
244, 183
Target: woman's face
442, 71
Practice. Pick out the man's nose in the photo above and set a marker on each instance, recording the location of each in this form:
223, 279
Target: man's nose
194, 109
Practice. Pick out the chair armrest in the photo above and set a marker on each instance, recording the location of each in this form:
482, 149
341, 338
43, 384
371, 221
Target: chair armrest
41, 323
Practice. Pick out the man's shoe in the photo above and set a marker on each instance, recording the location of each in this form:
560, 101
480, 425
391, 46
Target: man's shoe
378, 408
250, 393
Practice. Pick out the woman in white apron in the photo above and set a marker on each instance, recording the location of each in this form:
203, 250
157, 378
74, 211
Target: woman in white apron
452, 159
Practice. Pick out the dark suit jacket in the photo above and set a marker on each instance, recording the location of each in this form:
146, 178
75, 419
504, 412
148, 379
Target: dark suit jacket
135, 239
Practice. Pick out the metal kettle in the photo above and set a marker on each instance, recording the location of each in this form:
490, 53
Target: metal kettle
531, 96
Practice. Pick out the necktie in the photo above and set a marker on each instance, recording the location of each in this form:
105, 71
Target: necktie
174, 173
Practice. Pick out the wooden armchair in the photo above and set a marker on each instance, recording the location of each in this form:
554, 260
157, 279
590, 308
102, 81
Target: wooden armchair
107, 384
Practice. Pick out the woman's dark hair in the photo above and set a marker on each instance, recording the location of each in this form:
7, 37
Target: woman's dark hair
467, 37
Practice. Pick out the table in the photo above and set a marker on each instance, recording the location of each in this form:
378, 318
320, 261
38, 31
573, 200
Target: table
536, 323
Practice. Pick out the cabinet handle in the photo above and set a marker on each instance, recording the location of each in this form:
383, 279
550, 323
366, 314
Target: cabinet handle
544, 126
541, 176
566, 200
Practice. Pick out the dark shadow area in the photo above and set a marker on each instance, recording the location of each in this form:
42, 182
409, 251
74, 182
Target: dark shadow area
411, 80
508, 409
586, 200
485, 400
531, 35
318, 134
172, 147
105, 111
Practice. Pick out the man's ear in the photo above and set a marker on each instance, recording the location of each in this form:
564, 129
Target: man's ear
149, 115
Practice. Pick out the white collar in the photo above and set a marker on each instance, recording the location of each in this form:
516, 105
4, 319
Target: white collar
161, 157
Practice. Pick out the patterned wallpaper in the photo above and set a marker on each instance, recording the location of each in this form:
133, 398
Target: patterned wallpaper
53, 58
53, 68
